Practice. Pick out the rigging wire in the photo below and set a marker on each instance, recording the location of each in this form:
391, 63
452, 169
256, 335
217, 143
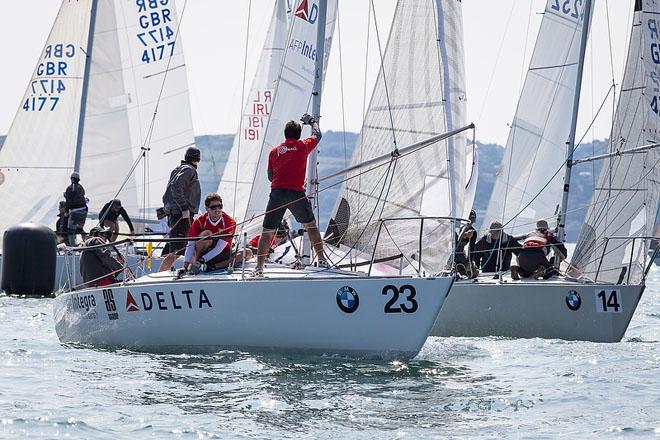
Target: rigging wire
382, 69
521, 84
341, 90
240, 124
145, 148
290, 15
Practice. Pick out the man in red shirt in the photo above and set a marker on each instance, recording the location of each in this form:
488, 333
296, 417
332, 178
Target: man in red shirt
214, 252
287, 166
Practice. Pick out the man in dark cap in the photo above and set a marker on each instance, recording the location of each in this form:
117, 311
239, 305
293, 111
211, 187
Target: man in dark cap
181, 202
61, 224
493, 252
97, 266
466, 237
110, 214
76, 206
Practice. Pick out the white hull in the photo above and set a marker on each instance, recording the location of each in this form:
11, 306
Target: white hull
538, 309
290, 311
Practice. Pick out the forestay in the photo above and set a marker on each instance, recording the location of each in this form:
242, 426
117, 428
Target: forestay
132, 43
419, 93
38, 154
627, 193
530, 180
281, 91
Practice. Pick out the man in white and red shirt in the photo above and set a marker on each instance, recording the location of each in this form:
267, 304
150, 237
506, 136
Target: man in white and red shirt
287, 166
214, 252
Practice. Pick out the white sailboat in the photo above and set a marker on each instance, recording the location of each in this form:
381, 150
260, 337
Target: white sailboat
597, 300
309, 310
108, 66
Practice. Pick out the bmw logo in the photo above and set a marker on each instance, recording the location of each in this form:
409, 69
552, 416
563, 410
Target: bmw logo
347, 299
573, 300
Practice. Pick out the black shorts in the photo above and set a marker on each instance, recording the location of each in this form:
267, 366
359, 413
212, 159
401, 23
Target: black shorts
282, 199
179, 228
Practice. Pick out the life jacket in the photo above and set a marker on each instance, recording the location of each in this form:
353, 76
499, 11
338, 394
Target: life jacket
535, 240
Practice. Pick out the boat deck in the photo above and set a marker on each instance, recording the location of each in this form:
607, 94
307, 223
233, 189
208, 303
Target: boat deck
271, 271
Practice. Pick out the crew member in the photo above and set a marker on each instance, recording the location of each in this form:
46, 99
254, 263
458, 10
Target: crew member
97, 266
110, 214
181, 203
213, 252
287, 163
493, 252
76, 206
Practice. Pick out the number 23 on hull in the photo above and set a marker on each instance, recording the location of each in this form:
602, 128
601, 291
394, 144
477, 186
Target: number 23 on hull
364, 317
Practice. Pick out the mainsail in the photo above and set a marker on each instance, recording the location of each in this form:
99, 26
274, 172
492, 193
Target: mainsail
281, 91
530, 180
419, 93
627, 192
114, 81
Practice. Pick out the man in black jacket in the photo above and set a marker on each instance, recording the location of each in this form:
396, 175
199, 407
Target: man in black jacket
76, 206
61, 224
494, 250
109, 215
181, 202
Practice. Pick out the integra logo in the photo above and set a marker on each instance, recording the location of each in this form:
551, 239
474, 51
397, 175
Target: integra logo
304, 12
81, 302
186, 299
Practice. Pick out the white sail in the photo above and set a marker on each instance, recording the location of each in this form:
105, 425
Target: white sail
530, 180
419, 93
38, 154
130, 51
281, 91
627, 193
137, 69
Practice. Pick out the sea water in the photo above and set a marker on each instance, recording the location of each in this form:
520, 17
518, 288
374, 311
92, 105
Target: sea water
490, 388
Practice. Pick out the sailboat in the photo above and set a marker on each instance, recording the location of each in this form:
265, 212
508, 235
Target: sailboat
107, 68
311, 310
603, 284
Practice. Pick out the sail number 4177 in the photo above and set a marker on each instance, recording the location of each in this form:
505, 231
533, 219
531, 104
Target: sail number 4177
608, 301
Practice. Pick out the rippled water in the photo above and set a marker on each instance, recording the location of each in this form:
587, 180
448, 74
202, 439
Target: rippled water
455, 388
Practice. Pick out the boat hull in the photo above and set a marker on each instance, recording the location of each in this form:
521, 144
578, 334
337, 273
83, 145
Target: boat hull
198, 314
551, 309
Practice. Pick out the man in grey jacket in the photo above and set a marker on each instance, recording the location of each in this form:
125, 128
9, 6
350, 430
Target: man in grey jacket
181, 202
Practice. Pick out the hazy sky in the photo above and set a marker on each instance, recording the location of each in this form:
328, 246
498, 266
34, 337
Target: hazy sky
499, 37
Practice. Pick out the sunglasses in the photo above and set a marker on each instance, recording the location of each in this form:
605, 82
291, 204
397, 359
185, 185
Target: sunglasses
214, 207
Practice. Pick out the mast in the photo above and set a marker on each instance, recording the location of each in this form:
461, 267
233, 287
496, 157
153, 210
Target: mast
312, 178
85, 87
561, 218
